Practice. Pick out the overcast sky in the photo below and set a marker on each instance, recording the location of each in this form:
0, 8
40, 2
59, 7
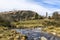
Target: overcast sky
40, 6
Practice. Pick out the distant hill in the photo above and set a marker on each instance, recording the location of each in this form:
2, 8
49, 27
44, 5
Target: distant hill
20, 15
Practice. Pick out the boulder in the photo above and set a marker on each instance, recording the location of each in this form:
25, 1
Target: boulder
43, 38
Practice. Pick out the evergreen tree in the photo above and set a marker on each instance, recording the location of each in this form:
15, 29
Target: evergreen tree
36, 16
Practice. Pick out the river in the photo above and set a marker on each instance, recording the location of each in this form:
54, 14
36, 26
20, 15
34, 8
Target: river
36, 34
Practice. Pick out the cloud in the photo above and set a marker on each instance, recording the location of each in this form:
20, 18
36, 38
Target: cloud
50, 4
6, 5
51, 1
22, 5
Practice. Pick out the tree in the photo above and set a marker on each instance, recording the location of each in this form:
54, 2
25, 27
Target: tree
36, 16
55, 15
49, 17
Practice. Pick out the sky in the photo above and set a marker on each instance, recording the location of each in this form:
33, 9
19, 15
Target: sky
40, 6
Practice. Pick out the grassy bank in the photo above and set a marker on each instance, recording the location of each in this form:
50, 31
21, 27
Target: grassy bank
52, 30
34, 23
29, 23
6, 34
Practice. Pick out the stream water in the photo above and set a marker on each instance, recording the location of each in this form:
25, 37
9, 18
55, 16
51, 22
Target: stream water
36, 34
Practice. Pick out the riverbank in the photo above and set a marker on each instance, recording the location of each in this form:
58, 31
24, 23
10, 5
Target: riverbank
47, 25
53, 30
8, 34
12, 34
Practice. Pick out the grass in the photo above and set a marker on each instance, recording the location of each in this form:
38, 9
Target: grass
29, 23
7, 34
33, 23
53, 30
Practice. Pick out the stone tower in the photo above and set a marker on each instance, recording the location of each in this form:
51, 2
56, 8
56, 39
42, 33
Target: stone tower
46, 14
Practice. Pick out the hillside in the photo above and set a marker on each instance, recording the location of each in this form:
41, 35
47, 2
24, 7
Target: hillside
14, 16
21, 15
